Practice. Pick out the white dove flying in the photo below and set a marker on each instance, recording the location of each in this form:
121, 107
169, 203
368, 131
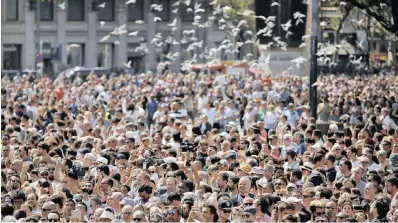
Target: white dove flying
62, 5
105, 38
157, 19
102, 5
131, 2
128, 64
102, 23
135, 33
156, 7
174, 23
299, 17
275, 4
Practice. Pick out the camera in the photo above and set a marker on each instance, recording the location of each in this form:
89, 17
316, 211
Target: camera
364, 208
189, 146
77, 171
44, 184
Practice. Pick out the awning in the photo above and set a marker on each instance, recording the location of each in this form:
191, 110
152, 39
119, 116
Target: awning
212, 67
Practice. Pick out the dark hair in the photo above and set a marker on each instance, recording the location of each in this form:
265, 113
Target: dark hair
264, 204
18, 214
188, 184
82, 203
382, 203
290, 218
331, 157
317, 133
297, 173
57, 200
393, 181
318, 157
44, 146
7, 209
213, 211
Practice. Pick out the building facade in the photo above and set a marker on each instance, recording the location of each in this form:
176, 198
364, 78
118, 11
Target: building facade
69, 36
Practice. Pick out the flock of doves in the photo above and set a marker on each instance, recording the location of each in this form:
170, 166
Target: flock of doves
220, 16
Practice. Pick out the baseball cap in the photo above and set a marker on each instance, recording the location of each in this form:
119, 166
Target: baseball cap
250, 209
231, 155
394, 159
225, 204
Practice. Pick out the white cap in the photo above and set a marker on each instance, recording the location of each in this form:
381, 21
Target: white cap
107, 215
103, 160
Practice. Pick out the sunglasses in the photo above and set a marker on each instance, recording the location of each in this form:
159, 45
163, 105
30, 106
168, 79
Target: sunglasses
44, 210
247, 204
319, 213
246, 216
307, 196
137, 219
52, 220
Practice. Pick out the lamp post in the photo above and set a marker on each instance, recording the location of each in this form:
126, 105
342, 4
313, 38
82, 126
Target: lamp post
314, 63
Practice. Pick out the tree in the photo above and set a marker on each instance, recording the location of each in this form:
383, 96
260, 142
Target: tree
380, 11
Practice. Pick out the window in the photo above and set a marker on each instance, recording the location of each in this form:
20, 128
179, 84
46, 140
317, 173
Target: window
165, 13
105, 55
12, 56
136, 11
76, 10
108, 12
185, 15
75, 54
46, 10
12, 10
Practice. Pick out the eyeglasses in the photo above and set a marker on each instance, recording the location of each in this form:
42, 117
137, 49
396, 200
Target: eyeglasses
52, 220
137, 219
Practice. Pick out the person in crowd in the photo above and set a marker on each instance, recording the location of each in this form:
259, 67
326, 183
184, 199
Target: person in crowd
172, 147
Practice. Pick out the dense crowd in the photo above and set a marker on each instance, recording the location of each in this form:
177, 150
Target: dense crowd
199, 148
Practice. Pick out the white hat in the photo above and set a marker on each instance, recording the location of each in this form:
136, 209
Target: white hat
130, 135
107, 215
292, 199
257, 170
231, 124
103, 160
170, 159
90, 156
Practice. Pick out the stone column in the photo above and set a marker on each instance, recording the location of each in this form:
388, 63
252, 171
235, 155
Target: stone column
202, 32
150, 58
121, 49
91, 53
29, 47
177, 37
61, 38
